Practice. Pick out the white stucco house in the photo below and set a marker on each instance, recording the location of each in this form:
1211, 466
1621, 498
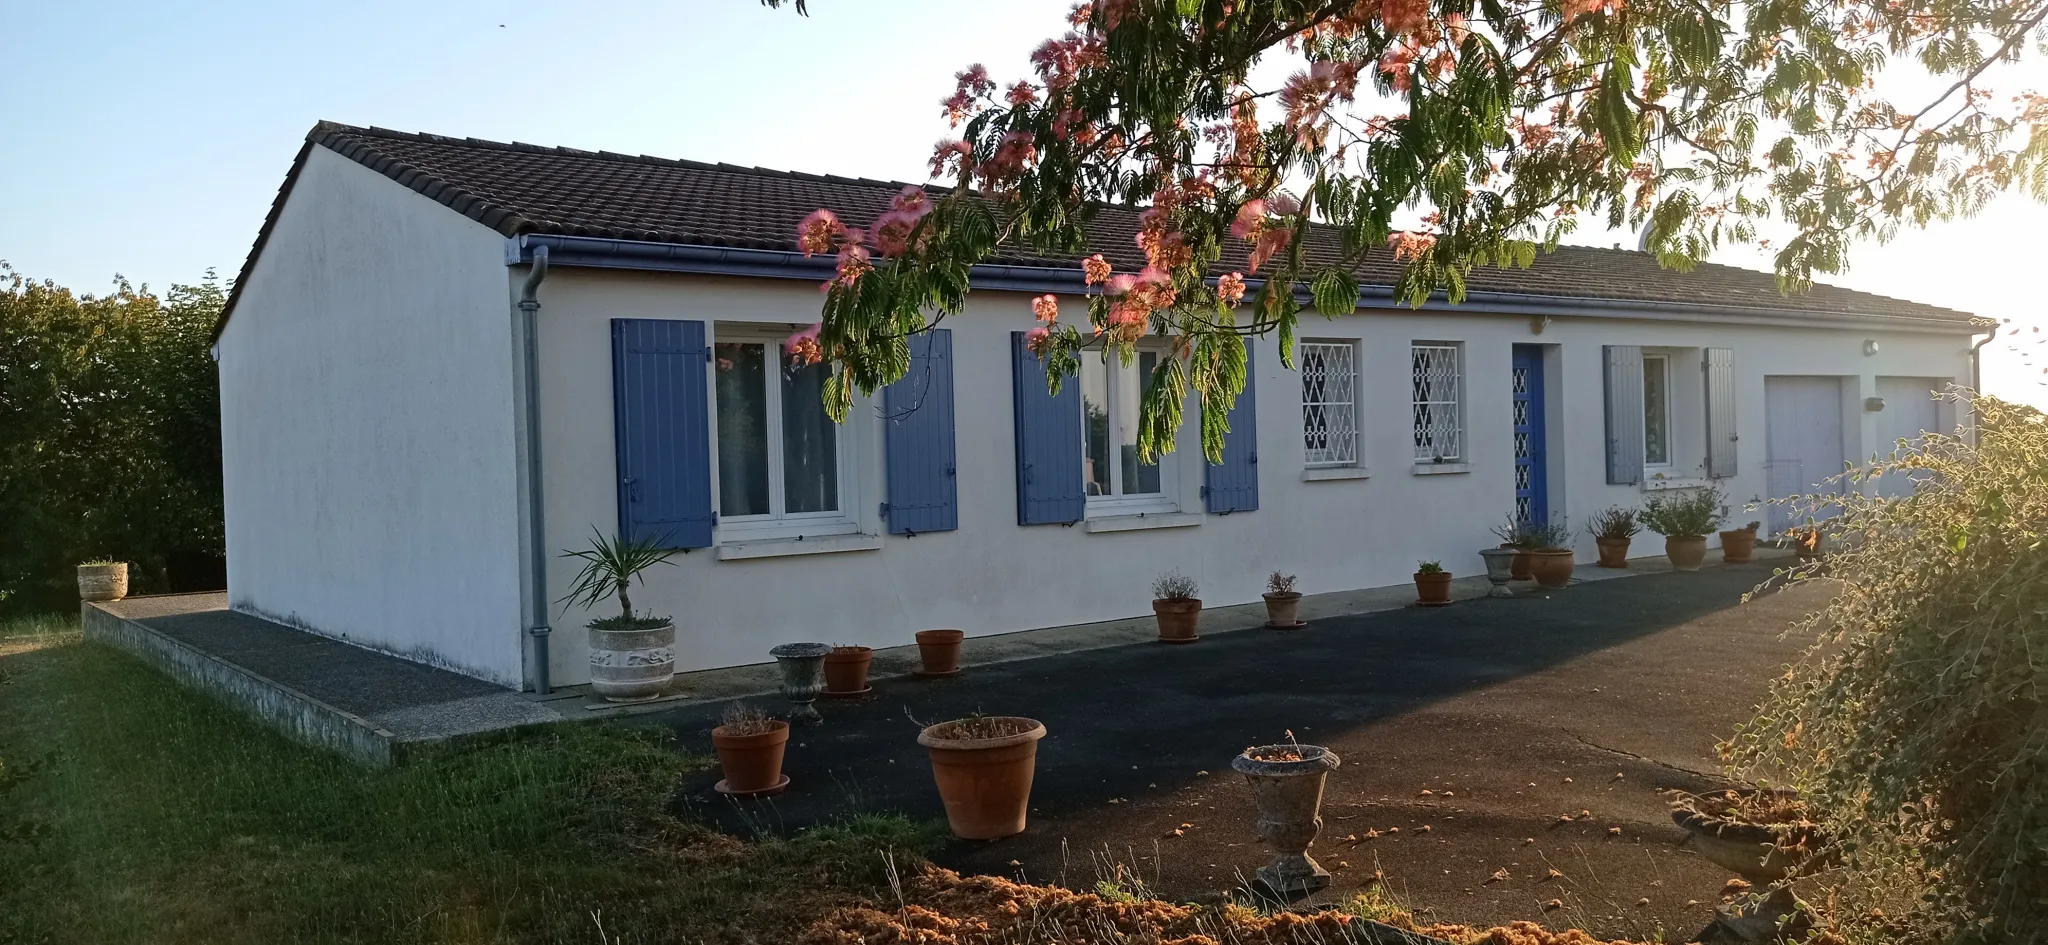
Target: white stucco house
448, 360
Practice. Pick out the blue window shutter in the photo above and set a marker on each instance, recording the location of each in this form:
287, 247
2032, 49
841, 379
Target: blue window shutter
1049, 488
917, 422
1233, 485
1624, 365
661, 422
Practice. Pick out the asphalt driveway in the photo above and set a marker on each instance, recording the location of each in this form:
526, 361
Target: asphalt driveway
1466, 733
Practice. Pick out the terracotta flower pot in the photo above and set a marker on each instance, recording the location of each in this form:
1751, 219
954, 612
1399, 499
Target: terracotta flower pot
983, 768
940, 651
752, 763
1686, 551
103, 581
1807, 545
1520, 569
1432, 588
1738, 547
1551, 567
846, 670
1283, 610
1613, 552
1177, 619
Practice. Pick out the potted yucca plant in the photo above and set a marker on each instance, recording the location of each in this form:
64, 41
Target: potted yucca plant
1176, 606
632, 656
1283, 602
1612, 531
1685, 521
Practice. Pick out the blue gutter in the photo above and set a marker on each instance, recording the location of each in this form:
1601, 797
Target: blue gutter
598, 253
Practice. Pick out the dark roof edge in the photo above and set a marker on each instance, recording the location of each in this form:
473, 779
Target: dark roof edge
602, 253
284, 191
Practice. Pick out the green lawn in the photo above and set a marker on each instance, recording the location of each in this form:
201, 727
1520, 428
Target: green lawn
132, 810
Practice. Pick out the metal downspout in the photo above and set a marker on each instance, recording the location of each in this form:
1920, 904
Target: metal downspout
537, 558
1977, 361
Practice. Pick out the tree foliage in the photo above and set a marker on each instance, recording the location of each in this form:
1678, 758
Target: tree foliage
1447, 133
109, 433
1918, 724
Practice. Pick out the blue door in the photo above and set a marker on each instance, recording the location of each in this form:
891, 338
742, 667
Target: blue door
1532, 502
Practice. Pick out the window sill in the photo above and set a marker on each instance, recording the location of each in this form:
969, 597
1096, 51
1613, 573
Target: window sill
1144, 520
1441, 469
1659, 485
1333, 473
779, 547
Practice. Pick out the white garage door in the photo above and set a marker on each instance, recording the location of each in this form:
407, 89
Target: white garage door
1910, 412
1804, 446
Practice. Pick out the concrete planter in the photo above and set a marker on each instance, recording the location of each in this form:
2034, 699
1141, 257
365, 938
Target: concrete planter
1283, 611
984, 769
100, 582
632, 665
1287, 783
1177, 620
1499, 561
1551, 567
1613, 552
803, 677
1686, 551
1760, 853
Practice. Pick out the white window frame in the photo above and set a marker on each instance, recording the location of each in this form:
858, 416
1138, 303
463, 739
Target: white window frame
1456, 403
1336, 454
1167, 499
777, 523
1654, 469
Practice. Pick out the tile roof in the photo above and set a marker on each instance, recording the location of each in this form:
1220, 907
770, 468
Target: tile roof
520, 188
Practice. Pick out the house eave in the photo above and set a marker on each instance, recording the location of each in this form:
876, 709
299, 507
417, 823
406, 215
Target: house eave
603, 253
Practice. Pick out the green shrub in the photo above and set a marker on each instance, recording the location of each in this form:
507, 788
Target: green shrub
1918, 724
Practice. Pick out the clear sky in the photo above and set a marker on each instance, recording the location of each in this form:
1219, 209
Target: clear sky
147, 139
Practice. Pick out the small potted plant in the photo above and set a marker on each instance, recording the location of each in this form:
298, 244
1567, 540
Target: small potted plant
632, 656
983, 766
1432, 584
1514, 533
1612, 531
1283, 602
750, 747
1550, 553
1176, 606
101, 580
846, 670
1685, 521
1739, 546
939, 653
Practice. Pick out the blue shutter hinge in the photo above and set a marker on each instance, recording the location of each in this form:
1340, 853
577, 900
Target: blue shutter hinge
1255, 459
885, 510
1205, 492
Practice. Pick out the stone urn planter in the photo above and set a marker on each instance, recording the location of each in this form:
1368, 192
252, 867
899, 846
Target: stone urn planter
1551, 567
1432, 588
750, 755
634, 664
1738, 546
1761, 836
846, 670
983, 768
1613, 552
1685, 551
1287, 782
803, 677
103, 581
1499, 565
939, 653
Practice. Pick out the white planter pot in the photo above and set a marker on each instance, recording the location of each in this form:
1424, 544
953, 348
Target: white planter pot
102, 581
632, 665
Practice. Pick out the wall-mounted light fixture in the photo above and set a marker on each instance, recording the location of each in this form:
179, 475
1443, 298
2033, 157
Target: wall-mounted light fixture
1869, 347
1873, 404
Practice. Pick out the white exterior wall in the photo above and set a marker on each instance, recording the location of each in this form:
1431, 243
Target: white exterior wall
367, 426
994, 576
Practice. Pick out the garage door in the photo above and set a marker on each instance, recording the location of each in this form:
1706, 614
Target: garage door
1803, 417
1910, 412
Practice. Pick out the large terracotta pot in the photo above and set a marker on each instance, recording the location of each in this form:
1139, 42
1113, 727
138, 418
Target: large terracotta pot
1738, 547
1686, 551
1551, 567
1432, 588
940, 651
103, 581
984, 779
1283, 610
846, 670
1177, 620
752, 763
632, 665
1613, 552
1520, 570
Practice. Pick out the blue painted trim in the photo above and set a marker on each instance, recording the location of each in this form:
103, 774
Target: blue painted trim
593, 252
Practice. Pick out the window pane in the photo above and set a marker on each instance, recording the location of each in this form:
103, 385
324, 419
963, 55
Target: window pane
1094, 379
1656, 414
810, 443
1139, 478
742, 429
